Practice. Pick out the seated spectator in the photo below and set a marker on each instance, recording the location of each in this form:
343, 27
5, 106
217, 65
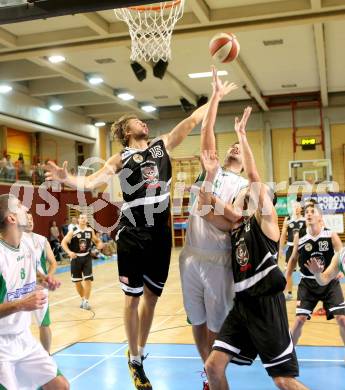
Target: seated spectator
73, 224
109, 247
10, 170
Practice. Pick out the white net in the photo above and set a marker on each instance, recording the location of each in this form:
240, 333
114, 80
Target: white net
151, 29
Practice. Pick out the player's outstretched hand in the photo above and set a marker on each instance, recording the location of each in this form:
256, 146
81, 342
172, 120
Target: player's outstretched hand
220, 88
314, 266
56, 173
35, 300
240, 125
210, 161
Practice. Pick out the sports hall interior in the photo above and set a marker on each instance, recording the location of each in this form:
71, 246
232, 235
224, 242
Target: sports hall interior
290, 70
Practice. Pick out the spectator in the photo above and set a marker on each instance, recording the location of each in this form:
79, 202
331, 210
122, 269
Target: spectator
64, 228
54, 240
73, 224
10, 171
20, 167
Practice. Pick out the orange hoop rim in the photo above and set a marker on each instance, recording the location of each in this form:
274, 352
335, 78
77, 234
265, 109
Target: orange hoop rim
155, 8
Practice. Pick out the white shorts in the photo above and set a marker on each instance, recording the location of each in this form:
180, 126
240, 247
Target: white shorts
24, 363
207, 287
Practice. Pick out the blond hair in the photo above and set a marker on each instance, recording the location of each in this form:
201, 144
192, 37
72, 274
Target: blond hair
119, 127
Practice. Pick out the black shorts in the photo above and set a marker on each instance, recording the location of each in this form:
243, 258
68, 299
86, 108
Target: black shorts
81, 268
288, 253
143, 257
309, 293
259, 326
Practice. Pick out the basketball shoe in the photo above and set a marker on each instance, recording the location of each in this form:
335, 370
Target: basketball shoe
138, 375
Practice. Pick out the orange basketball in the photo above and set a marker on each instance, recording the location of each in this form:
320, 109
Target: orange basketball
224, 47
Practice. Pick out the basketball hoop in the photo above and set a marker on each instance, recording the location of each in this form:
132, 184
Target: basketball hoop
150, 28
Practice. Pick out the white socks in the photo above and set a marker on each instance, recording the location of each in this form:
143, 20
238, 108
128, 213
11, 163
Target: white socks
135, 359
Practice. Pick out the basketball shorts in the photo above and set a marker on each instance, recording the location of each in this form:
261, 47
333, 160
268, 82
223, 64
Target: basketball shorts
143, 257
259, 326
207, 287
24, 364
309, 293
81, 268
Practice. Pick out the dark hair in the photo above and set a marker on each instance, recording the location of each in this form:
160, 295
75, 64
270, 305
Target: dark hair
313, 204
4, 208
118, 128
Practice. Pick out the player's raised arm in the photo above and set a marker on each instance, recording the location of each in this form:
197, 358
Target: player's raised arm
182, 130
97, 179
220, 89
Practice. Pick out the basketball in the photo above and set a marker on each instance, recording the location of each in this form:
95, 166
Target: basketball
224, 47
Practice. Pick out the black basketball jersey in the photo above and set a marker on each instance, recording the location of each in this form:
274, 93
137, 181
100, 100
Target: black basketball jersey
254, 262
145, 183
319, 247
81, 241
297, 225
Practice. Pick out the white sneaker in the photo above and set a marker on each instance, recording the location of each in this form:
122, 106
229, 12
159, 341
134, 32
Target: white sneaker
86, 305
288, 296
82, 304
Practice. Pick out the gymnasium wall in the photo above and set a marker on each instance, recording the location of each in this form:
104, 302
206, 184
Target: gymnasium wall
57, 149
338, 158
105, 217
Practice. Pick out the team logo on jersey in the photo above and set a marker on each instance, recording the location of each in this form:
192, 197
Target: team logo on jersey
82, 245
242, 255
323, 246
308, 247
138, 158
156, 151
150, 174
291, 225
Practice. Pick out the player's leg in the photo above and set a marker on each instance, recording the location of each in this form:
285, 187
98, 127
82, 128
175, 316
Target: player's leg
306, 302
146, 311
156, 264
334, 305
77, 278
88, 279
234, 344
289, 280
193, 299
215, 368
42, 317
286, 383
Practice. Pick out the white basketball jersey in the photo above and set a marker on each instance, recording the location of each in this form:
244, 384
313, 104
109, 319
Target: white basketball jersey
37, 244
17, 279
200, 233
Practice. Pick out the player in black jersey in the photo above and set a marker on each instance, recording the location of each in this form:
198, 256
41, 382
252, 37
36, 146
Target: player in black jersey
318, 243
144, 234
291, 225
77, 244
258, 322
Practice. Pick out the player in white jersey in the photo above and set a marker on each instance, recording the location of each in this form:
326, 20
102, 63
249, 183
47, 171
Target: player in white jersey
44, 254
24, 364
205, 261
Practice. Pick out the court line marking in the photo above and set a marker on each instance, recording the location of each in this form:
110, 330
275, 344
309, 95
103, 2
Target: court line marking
118, 350
97, 364
178, 357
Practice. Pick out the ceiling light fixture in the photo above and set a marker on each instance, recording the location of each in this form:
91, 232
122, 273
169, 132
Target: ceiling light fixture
55, 107
94, 79
148, 108
125, 96
5, 88
99, 124
206, 74
56, 59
